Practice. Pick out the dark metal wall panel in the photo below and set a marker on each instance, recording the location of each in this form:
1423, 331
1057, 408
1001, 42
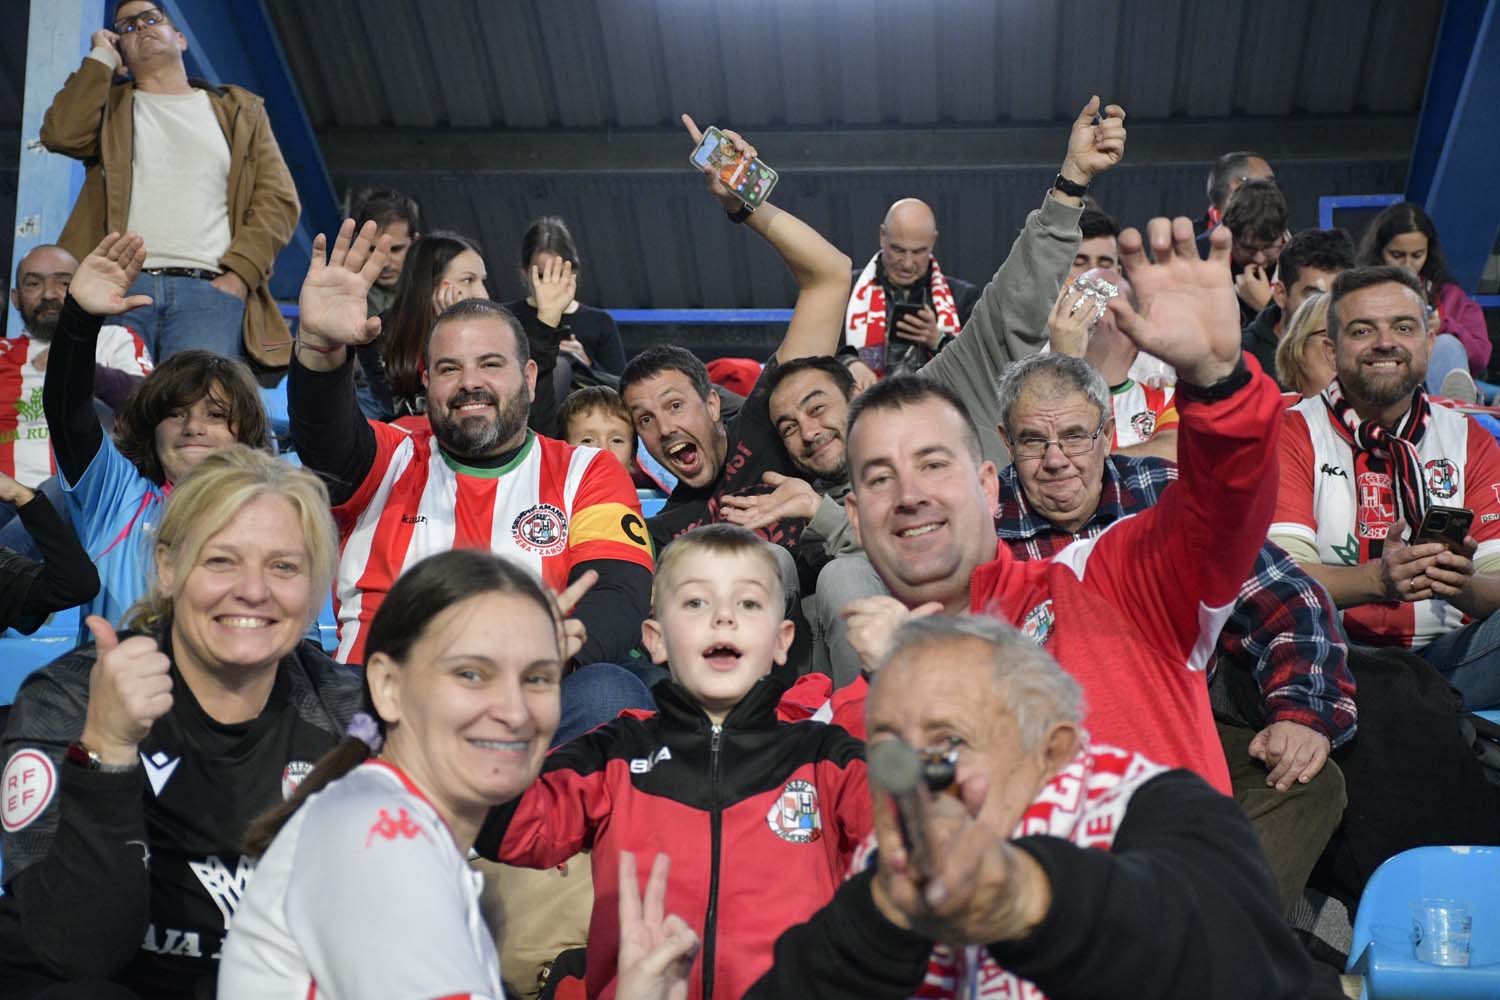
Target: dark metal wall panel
1328, 74
658, 240
1396, 55
13, 70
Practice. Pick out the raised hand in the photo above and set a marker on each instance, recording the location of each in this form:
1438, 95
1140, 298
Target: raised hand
444, 295
656, 950
872, 623
332, 303
716, 186
106, 274
791, 498
1188, 314
554, 287
571, 633
1094, 147
13, 492
130, 688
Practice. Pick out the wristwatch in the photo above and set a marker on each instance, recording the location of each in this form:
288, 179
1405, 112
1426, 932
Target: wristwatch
1067, 187
739, 216
79, 753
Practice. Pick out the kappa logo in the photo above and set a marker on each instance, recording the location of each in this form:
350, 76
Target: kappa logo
542, 529
1442, 478
794, 816
292, 776
27, 785
388, 828
643, 765
159, 770
1037, 625
1333, 470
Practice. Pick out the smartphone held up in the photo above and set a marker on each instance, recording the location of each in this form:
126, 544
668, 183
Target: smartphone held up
750, 181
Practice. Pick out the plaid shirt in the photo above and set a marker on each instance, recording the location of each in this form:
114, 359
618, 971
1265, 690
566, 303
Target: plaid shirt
1283, 628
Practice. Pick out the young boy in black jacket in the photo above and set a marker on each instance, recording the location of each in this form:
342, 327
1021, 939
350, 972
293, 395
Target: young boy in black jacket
760, 817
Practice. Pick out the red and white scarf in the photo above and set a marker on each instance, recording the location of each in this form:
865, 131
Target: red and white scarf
1376, 448
865, 319
1084, 804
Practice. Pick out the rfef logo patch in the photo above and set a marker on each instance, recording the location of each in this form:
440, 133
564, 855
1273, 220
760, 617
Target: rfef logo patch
542, 529
1442, 478
794, 816
28, 784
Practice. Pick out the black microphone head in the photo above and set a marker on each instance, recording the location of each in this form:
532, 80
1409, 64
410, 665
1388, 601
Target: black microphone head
894, 767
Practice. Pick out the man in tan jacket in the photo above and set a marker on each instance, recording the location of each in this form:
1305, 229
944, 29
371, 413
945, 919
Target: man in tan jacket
194, 169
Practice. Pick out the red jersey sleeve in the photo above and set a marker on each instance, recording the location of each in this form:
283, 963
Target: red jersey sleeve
606, 519
1177, 568
558, 813
1482, 475
387, 440
1294, 490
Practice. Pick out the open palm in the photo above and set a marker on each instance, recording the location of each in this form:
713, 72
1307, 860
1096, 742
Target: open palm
332, 302
1187, 313
105, 275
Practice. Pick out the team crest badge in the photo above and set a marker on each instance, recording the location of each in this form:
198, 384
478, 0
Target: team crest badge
1442, 478
292, 776
1377, 505
794, 816
1037, 625
542, 529
1144, 423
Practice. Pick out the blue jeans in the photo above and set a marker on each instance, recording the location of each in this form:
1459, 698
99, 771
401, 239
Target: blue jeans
1470, 659
1448, 355
13, 534
594, 694
186, 313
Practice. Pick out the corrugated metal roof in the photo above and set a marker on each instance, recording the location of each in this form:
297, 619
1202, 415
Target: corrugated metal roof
632, 63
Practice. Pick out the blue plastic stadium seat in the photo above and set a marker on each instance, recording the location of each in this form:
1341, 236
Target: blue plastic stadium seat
1381, 950
651, 502
20, 654
1492, 715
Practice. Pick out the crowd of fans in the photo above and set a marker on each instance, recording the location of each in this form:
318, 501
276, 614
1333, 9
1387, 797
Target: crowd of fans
1143, 562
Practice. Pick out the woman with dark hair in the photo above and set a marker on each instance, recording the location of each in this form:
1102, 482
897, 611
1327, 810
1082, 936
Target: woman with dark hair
363, 886
1403, 236
442, 268
194, 404
161, 744
570, 342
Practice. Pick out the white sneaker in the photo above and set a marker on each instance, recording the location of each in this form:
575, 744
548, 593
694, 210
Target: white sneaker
1459, 384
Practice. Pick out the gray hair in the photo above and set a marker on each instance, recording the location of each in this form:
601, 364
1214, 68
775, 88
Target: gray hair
1037, 691
1072, 373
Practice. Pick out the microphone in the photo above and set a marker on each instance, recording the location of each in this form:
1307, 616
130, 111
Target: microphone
899, 771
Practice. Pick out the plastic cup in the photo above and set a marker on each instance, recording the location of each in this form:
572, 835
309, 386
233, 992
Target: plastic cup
1440, 931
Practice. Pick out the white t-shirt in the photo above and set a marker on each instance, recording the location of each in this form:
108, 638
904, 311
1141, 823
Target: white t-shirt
363, 895
179, 185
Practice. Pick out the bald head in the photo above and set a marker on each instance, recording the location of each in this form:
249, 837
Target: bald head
907, 237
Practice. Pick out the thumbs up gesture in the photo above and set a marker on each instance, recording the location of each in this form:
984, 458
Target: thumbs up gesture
129, 689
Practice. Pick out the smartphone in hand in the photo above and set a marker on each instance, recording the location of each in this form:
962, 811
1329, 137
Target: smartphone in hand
1449, 525
750, 181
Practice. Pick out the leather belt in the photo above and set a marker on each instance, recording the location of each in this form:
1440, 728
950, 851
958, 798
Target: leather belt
183, 272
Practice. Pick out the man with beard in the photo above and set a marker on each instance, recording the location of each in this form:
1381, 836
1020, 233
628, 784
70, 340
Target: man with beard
477, 477
1363, 462
120, 361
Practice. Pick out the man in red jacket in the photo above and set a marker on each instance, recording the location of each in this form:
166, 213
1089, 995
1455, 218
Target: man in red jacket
1134, 613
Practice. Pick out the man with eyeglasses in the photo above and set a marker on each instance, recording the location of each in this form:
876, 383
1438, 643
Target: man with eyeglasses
1256, 217
1134, 613
194, 169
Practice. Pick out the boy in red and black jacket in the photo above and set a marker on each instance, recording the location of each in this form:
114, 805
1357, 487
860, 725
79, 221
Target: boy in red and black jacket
760, 816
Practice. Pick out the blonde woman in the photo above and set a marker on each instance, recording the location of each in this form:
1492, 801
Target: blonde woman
139, 760
1304, 357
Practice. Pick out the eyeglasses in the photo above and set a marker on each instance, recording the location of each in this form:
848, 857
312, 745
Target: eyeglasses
148, 18
1251, 249
1073, 444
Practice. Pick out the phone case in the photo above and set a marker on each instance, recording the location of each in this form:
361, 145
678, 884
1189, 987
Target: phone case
751, 182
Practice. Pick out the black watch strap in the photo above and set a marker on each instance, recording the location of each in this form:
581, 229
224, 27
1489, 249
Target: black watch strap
1067, 187
1222, 389
742, 213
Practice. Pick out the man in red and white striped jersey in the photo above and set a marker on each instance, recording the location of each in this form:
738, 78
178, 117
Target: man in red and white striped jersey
120, 361
476, 477
1363, 462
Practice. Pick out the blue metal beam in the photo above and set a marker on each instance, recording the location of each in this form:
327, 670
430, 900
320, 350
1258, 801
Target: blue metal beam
236, 43
1456, 133
57, 39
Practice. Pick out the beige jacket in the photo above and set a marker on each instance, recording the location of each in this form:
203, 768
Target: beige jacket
91, 119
